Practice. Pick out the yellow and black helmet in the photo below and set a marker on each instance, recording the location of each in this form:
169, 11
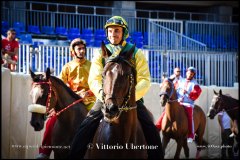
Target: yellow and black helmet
118, 21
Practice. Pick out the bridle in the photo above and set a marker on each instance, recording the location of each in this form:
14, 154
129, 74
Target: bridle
169, 95
50, 95
221, 106
124, 106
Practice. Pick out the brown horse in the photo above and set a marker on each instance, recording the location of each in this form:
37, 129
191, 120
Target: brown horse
119, 134
175, 123
50, 92
230, 105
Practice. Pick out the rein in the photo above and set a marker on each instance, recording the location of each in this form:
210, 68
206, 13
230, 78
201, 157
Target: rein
49, 96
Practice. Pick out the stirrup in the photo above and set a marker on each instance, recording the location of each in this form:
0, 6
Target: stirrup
42, 156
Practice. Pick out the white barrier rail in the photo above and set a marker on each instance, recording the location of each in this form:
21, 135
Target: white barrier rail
20, 141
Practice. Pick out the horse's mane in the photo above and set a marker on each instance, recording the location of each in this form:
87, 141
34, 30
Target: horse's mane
61, 83
230, 98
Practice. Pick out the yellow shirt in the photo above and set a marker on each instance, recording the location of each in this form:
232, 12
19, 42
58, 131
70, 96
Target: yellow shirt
75, 75
143, 74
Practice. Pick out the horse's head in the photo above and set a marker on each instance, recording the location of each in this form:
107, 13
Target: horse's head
166, 91
119, 80
216, 104
41, 95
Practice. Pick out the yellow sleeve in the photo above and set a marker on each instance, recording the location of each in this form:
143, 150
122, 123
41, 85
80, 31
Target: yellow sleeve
143, 75
64, 74
95, 75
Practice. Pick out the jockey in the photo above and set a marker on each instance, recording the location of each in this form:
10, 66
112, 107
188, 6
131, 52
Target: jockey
117, 31
75, 74
188, 91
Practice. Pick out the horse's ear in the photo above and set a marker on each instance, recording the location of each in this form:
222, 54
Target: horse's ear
215, 92
105, 52
32, 73
220, 92
48, 72
164, 75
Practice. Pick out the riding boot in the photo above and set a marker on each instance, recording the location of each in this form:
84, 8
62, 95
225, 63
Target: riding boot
47, 137
86, 132
151, 134
189, 111
159, 122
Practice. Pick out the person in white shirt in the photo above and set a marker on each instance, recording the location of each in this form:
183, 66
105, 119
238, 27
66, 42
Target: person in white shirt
177, 76
227, 142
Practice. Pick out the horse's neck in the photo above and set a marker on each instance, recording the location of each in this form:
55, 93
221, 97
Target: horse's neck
232, 107
63, 97
171, 108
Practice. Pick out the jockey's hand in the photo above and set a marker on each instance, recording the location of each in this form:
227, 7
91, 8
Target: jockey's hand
83, 94
52, 112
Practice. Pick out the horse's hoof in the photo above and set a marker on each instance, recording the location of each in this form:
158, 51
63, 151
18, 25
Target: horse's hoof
42, 156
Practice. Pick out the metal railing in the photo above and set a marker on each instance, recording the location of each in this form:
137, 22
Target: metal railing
220, 69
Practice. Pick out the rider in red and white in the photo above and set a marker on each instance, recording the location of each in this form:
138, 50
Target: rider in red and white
188, 91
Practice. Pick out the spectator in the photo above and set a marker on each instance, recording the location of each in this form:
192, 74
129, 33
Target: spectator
9, 50
177, 76
225, 125
75, 74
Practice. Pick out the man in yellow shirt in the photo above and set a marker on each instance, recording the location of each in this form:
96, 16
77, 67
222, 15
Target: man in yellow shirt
117, 32
75, 74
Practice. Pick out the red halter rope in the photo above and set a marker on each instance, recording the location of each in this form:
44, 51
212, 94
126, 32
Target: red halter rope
49, 96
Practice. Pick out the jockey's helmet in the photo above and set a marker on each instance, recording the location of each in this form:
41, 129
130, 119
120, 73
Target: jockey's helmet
75, 42
118, 21
192, 69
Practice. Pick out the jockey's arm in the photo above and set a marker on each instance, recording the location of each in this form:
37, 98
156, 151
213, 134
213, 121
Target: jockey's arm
143, 75
64, 74
195, 93
95, 75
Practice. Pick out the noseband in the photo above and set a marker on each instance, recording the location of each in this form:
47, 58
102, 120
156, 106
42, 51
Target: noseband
169, 95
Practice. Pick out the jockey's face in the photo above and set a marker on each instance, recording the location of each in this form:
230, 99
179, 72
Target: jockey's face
190, 75
80, 51
115, 34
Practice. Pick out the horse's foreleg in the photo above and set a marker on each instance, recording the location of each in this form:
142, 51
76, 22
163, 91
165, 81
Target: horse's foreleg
165, 141
179, 147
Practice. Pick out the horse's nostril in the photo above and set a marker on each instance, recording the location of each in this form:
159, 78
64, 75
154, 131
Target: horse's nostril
112, 108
